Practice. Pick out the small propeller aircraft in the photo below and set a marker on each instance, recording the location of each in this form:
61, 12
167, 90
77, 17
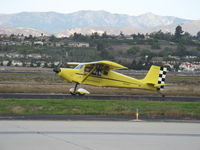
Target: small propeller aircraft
101, 73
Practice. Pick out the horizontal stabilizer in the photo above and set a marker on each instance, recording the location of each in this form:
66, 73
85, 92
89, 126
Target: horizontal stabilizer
157, 85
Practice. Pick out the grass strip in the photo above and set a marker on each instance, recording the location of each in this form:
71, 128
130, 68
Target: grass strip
98, 107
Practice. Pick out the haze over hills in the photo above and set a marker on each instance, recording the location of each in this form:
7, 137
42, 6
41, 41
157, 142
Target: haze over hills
54, 22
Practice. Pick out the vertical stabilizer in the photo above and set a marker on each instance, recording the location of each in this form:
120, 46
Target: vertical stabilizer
156, 76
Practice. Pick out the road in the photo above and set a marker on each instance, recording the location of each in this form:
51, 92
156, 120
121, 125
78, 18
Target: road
99, 97
98, 135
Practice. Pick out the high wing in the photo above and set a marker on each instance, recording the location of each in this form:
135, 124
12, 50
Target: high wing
73, 63
110, 64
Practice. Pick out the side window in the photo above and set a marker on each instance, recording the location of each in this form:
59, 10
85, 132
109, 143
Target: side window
98, 71
105, 70
88, 68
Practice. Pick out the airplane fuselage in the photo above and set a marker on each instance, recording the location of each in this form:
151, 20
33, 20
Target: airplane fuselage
110, 79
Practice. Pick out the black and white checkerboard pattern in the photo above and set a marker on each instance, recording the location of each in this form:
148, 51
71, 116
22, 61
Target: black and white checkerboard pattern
161, 78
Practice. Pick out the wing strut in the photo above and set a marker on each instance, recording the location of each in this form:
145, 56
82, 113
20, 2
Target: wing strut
88, 74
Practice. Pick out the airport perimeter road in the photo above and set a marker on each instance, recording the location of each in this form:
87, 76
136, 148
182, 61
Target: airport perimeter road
98, 135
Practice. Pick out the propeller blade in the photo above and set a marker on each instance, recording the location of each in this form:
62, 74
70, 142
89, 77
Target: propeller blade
57, 68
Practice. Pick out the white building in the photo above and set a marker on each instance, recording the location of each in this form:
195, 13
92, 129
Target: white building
186, 66
38, 43
16, 63
78, 44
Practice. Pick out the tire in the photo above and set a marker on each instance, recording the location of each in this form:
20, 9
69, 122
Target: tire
73, 94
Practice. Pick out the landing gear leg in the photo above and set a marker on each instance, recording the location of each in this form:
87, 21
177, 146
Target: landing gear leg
75, 87
74, 90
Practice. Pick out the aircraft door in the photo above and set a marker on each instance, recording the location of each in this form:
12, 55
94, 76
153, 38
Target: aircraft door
94, 73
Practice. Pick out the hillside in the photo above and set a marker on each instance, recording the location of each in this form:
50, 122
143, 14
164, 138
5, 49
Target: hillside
53, 22
192, 27
20, 30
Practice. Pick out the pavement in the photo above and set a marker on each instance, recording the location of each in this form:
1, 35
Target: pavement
99, 97
98, 135
98, 117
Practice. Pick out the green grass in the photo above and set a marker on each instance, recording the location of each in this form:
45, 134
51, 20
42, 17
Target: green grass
99, 107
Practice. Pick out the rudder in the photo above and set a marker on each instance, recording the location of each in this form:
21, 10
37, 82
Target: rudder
156, 76
161, 78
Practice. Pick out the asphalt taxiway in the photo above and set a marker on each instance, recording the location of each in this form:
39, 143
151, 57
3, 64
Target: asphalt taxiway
99, 97
98, 135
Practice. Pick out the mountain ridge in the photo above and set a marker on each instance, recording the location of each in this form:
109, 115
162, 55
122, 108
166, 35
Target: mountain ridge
54, 22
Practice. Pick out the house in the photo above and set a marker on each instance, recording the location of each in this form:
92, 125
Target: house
36, 56
38, 43
27, 43
190, 57
56, 63
5, 63
42, 64
28, 64
16, 63
186, 66
78, 44
43, 37
14, 55
174, 57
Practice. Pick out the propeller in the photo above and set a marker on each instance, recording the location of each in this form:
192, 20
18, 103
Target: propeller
57, 68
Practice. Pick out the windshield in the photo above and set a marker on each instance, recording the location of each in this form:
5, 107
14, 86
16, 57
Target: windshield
79, 67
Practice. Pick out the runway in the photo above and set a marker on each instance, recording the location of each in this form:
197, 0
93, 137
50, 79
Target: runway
99, 97
98, 135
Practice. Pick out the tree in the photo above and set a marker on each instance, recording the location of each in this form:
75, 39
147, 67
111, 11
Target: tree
104, 35
198, 36
181, 50
178, 33
95, 35
155, 45
121, 34
52, 38
133, 51
187, 36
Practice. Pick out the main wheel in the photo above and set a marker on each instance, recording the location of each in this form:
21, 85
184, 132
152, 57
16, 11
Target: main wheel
73, 94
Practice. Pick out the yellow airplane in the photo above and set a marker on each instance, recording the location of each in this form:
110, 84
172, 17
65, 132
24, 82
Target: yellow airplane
101, 73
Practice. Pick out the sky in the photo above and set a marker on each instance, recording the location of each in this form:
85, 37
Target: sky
188, 9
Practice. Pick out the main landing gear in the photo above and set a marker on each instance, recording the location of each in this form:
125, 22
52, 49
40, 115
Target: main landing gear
80, 92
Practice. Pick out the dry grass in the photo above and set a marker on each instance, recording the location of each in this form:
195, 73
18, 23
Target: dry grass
17, 110
193, 90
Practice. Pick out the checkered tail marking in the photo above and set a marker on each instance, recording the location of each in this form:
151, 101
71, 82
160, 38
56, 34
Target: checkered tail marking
161, 78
